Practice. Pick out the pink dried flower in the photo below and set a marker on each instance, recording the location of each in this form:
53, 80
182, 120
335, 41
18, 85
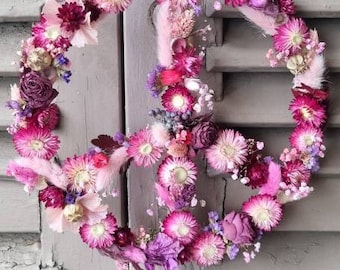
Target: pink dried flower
229, 151
291, 36
264, 210
46, 118
170, 77
81, 173
36, 142
99, 235
143, 148
183, 24
207, 249
177, 149
305, 137
307, 111
187, 62
177, 171
235, 3
100, 160
178, 99
237, 228
72, 16
181, 226
52, 197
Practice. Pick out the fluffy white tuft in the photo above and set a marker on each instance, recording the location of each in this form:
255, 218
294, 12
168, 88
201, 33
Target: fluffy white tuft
160, 133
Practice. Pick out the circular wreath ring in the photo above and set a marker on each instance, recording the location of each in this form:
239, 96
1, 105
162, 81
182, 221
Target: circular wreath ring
182, 128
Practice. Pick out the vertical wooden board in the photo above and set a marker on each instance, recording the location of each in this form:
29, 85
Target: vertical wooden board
140, 58
19, 211
90, 105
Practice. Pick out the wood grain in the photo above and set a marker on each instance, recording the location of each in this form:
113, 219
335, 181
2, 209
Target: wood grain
20, 10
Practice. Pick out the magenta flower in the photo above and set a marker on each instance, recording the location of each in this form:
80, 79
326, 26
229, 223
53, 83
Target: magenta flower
257, 174
143, 148
52, 197
236, 3
264, 210
178, 99
181, 225
72, 16
99, 235
295, 172
303, 138
291, 36
207, 249
187, 62
237, 228
287, 6
36, 142
307, 111
229, 151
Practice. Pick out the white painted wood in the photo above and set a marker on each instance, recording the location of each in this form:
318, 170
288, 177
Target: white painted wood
7, 151
20, 10
305, 8
262, 99
5, 113
11, 36
90, 105
19, 212
244, 48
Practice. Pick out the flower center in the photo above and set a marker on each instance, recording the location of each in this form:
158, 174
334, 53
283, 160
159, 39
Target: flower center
308, 140
52, 32
209, 252
178, 101
182, 230
145, 149
37, 145
306, 113
180, 174
82, 177
73, 212
296, 39
229, 151
263, 215
98, 230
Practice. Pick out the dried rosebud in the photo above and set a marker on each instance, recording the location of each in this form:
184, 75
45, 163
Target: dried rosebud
52, 197
48, 117
36, 90
100, 160
237, 228
177, 148
123, 237
204, 135
257, 174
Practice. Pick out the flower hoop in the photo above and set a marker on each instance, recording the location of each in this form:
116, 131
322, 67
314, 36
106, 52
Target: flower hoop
181, 129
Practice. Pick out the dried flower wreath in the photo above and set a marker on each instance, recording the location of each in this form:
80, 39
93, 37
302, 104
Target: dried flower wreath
182, 128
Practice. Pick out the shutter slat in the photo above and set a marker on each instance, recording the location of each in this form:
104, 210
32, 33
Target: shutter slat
7, 151
20, 10
19, 211
11, 36
244, 49
262, 100
305, 8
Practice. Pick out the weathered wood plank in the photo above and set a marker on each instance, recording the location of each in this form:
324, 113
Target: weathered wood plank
305, 8
7, 151
262, 99
20, 10
5, 93
291, 251
90, 105
11, 36
19, 212
244, 49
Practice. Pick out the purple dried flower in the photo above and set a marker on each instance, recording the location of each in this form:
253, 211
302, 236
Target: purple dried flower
154, 84
36, 90
232, 251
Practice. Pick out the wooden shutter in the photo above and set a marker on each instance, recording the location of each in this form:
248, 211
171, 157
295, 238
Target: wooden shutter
253, 98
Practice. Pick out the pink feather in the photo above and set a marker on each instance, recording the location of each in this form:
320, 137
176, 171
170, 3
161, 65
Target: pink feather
266, 23
165, 196
274, 180
163, 28
105, 174
52, 171
312, 77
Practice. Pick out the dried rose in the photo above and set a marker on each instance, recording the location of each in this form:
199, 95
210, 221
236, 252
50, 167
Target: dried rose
237, 228
100, 160
257, 174
204, 135
36, 90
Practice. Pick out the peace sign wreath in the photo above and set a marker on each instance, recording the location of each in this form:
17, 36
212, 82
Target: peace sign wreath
181, 129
